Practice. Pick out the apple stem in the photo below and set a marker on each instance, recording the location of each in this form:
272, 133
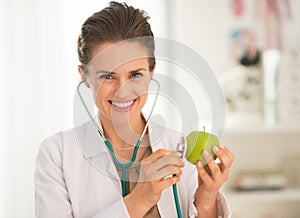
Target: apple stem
204, 128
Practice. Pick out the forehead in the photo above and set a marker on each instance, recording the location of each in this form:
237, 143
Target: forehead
110, 56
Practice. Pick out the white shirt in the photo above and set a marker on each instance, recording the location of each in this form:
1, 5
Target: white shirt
76, 177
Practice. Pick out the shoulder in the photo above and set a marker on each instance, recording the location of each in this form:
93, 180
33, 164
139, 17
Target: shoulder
54, 146
51, 146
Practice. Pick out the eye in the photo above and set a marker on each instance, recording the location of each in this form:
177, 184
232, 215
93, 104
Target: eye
106, 76
135, 74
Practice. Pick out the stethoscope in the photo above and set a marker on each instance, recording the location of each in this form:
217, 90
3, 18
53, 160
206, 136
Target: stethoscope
124, 166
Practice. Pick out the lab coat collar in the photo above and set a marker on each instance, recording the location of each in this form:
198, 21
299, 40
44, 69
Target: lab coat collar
94, 144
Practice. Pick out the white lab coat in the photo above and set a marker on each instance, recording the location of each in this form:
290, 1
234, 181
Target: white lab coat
75, 177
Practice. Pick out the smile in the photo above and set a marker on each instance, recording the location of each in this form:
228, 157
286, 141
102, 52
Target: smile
122, 105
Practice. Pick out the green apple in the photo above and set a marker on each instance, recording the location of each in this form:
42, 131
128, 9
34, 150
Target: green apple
197, 142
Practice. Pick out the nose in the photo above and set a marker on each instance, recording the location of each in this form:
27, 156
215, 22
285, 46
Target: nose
123, 89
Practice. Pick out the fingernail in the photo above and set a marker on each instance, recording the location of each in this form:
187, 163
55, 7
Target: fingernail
221, 146
199, 164
179, 154
215, 149
181, 164
206, 155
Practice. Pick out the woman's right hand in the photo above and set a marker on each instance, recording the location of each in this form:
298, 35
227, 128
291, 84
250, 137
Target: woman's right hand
158, 171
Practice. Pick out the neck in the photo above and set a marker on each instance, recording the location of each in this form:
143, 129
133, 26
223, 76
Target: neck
123, 135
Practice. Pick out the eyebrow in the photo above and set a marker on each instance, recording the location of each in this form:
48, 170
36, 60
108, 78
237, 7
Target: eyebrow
137, 70
109, 72
104, 72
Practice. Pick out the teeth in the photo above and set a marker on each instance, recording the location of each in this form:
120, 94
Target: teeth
122, 104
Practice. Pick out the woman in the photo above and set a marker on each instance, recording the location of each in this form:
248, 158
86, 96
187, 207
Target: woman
75, 174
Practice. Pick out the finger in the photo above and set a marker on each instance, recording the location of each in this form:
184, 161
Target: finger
226, 158
200, 181
213, 167
150, 174
168, 182
168, 160
158, 154
177, 172
227, 151
206, 178
226, 161
167, 171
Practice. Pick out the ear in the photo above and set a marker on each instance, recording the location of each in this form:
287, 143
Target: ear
83, 76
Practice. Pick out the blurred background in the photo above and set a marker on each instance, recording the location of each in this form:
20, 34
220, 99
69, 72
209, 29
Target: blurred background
253, 47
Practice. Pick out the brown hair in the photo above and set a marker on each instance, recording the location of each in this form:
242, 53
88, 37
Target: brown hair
115, 23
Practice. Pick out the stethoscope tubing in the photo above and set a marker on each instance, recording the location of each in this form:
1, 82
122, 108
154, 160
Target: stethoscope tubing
137, 145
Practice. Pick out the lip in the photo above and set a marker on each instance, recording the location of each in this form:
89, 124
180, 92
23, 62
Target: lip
119, 105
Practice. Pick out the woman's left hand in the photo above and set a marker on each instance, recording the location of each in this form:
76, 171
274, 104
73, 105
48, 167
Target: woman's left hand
211, 178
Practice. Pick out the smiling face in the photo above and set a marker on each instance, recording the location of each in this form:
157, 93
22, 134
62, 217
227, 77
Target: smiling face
119, 77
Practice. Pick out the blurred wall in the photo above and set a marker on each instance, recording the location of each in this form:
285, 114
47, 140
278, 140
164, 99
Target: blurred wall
205, 26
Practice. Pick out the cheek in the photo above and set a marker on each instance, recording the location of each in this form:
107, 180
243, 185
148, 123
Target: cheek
100, 94
141, 88
143, 99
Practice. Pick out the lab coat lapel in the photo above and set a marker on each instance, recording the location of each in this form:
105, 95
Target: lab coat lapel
166, 204
96, 152
156, 136
93, 144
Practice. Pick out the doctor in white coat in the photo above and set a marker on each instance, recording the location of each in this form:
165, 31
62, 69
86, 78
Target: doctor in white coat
75, 174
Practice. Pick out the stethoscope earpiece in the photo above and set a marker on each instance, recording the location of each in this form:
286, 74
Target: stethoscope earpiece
83, 80
86, 83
